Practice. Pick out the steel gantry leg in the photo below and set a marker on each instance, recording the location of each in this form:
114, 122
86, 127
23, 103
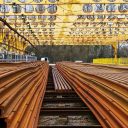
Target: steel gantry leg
115, 53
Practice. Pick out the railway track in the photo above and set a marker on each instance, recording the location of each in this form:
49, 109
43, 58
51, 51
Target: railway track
62, 109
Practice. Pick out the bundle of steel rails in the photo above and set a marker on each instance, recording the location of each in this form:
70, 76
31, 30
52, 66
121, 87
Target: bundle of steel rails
22, 88
104, 90
64, 109
61, 85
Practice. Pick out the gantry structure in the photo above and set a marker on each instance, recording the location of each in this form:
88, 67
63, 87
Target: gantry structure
63, 22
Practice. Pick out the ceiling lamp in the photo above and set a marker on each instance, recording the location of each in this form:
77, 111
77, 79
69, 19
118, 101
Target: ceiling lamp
8, 1
52, 8
4, 8
33, 17
99, 7
111, 7
35, 24
52, 1
42, 17
43, 24
87, 8
123, 7
22, 1
29, 8
16, 8
111, 0
52, 18
96, 0
37, 1
40, 8
101, 16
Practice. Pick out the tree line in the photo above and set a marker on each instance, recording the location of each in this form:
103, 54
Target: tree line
86, 53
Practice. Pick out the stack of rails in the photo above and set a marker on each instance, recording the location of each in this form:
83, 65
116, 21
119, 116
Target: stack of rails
103, 90
119, 67
64, 110
22, 89
61, 85
11, 64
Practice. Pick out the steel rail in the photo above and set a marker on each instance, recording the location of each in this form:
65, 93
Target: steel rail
91, 107
102, 99
22, 90
118, 86
61, 85
67, 105
108, 103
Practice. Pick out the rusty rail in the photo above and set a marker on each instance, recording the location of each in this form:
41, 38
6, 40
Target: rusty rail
64, 109
103, 90
22, 89
117, 67
61, 85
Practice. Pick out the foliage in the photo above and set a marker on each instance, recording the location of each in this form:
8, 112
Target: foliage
77, 52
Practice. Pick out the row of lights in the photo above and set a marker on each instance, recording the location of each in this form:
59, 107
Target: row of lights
53, 1
37, 1
52, 8
101, 7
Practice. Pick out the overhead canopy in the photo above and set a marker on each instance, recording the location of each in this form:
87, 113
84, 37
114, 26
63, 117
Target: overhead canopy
71, 22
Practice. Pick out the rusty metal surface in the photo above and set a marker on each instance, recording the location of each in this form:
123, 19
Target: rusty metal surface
64, 109
60, 84
22, 88
103, 89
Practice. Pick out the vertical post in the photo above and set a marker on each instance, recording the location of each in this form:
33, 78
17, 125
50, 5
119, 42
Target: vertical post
114, 45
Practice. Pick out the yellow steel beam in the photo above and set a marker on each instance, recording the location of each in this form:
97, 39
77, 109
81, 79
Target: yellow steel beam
69, 26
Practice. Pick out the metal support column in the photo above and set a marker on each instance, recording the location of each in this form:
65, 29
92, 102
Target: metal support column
114, 45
